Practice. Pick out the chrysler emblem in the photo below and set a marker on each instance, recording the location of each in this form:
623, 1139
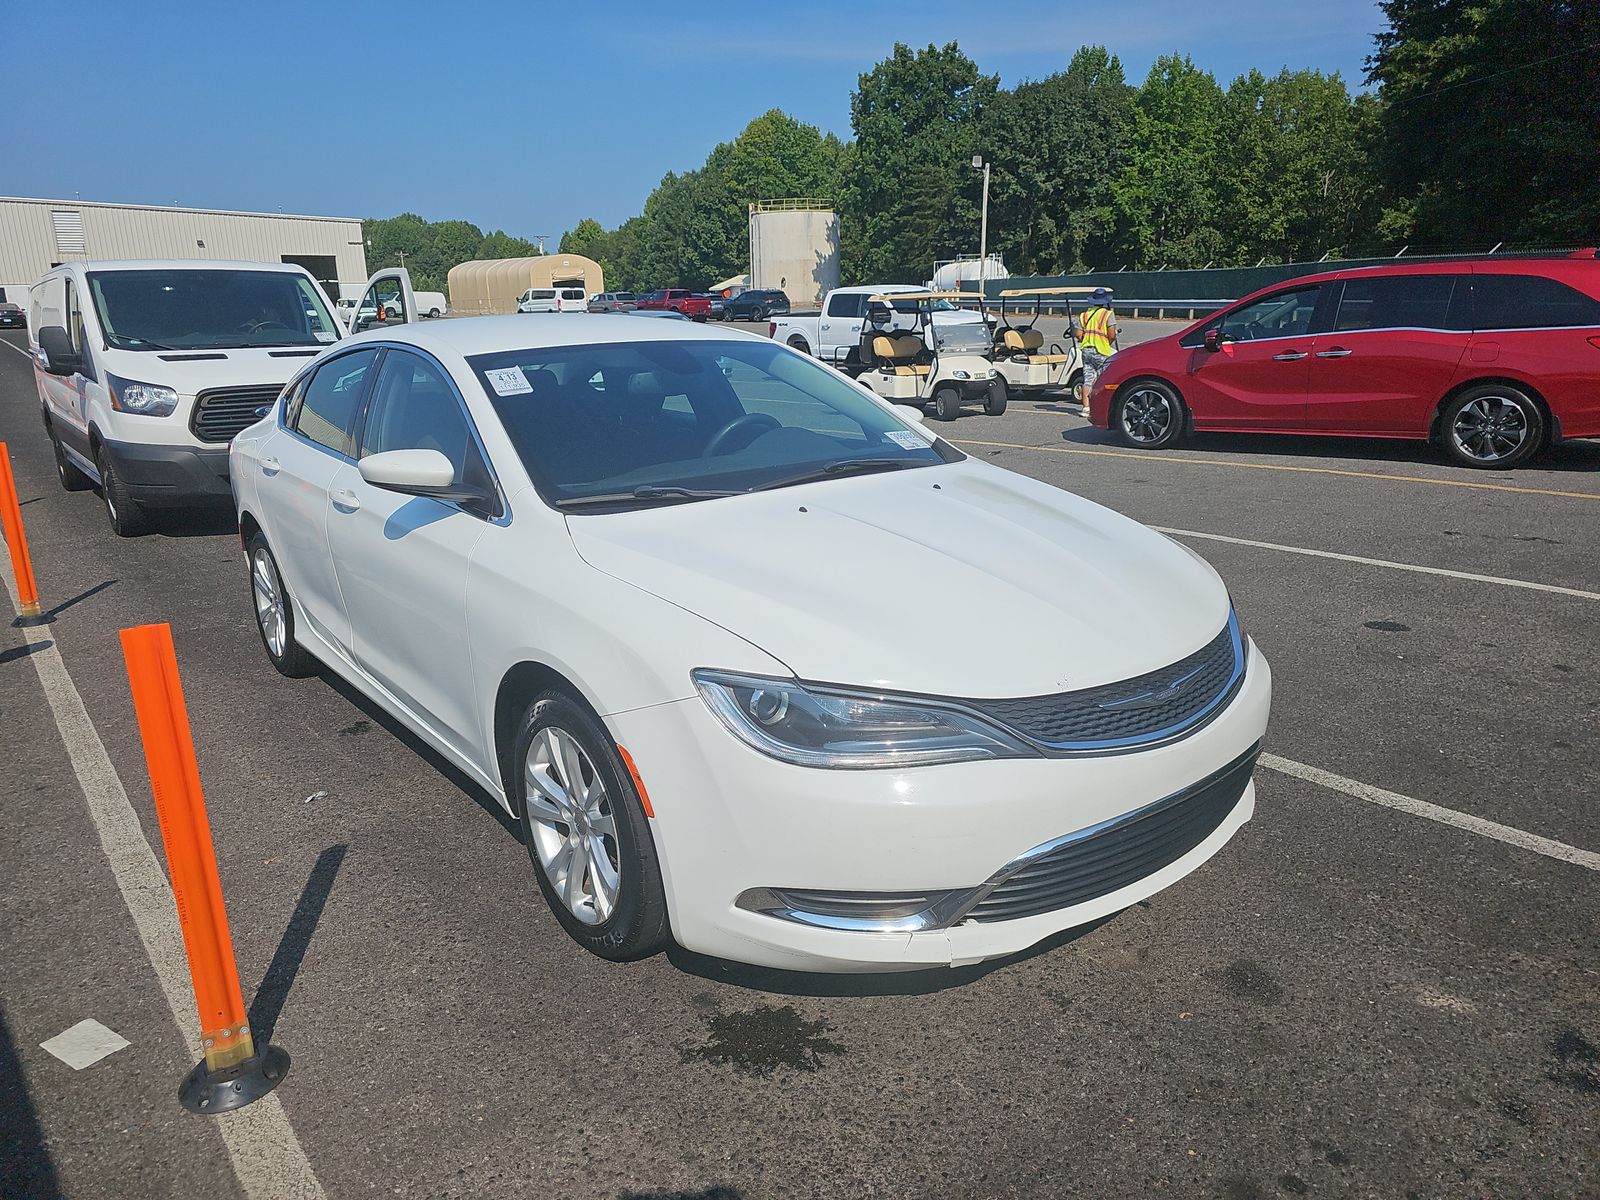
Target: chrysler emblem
1152, 697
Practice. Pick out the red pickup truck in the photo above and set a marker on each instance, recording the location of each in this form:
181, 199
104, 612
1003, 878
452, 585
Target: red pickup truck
679, 300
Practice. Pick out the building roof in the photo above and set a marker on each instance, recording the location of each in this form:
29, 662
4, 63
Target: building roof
218, 212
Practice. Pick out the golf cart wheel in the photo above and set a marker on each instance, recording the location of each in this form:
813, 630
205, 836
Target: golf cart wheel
1074, 382
947, 403
1148, 414
995, 403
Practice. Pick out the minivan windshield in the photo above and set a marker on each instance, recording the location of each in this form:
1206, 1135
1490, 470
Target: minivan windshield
629, 424
190, 309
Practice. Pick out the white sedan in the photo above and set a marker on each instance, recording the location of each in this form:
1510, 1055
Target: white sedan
757, 662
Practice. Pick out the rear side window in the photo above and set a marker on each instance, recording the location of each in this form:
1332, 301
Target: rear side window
1529, 302
847, 304
329, 407
1398, 302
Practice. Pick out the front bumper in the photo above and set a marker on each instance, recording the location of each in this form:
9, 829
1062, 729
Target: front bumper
731, 821
172, 476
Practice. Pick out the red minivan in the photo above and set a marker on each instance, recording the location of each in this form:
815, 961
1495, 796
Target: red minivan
1494, 359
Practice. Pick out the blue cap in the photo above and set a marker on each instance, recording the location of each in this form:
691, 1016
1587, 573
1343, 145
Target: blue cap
1100, 294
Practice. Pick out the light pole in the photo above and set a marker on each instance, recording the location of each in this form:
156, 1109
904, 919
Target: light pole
983, 229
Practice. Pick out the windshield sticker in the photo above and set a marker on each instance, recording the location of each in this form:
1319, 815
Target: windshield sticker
323, 336
508, 381
904, 437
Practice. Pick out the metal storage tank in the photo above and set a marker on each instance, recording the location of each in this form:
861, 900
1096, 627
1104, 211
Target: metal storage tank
794, 245
492, 285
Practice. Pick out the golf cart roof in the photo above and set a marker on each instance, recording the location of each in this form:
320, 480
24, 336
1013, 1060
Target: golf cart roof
919, 297
1053, 291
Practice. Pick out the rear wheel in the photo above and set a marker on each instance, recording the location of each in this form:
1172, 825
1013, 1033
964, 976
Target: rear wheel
799, 343
1493, 426
995, 403
758, 314
275, 614
127, 518
947, 403
72, 479
586, 832
1148, 414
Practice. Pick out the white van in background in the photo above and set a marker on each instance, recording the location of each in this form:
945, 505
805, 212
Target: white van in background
147, 369
553, 299
431, 304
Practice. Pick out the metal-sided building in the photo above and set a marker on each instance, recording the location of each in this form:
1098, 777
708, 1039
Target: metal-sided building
36, 235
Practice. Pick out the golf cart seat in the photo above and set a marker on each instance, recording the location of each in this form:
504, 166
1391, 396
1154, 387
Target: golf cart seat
899, 353
1024, 343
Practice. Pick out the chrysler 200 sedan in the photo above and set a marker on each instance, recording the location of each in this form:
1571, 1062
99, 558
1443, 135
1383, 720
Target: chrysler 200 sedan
756, 661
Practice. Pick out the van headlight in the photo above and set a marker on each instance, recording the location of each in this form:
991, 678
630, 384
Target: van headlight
146, 399
845, 729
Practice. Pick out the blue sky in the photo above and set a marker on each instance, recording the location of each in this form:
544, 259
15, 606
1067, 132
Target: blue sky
527, 116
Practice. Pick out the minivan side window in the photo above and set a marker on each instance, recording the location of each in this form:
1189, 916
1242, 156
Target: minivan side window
328, 408
1529, 302
1398, 302
847, 304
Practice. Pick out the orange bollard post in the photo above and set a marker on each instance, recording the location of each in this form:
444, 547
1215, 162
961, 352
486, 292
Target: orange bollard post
16, 542
233, 1072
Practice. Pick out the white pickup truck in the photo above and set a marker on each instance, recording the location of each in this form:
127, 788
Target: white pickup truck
834, 333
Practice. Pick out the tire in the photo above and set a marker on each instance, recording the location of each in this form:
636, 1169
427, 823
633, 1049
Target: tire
758, 314
1074, 382
1148, 415
995, 404
127, 518
70, 477
434, 313
632, 923
1493, 427
947, 403
799, 343
275, 612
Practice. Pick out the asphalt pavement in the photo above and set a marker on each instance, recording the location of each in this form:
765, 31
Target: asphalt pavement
1361, 995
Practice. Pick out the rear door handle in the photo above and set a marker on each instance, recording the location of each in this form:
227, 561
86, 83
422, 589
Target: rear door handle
269, 466
1289, 356
1340, 353
345, 500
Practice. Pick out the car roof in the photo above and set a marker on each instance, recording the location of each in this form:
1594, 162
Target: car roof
468, 336
181, 264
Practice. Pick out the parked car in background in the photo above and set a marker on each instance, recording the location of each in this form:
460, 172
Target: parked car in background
431, 304
834, 333
552, 300
12, 316
718, 301
1491, 359
612, 302
756, 304
651, 540
680, 300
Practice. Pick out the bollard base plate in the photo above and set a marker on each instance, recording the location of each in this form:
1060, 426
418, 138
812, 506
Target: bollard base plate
203, 1092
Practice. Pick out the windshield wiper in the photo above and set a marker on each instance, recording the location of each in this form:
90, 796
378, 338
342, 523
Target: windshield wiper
844, 466
651, 493
144, 343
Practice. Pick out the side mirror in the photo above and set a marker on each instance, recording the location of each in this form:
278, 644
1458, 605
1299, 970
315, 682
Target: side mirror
420, 473
1214, 339
59, 356
912, 412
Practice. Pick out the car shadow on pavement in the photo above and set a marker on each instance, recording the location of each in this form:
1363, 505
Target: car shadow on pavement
26, 1170
882, 983
211, 521
711, 1193
285, 965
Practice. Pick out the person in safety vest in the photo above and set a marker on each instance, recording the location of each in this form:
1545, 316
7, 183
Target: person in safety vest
1096, 331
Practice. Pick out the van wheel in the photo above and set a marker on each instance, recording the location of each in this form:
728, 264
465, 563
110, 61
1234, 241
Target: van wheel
128, 519
1493, 426
586, 832
72, 479
995, 404
433, 312
947, 403
1148, 414
275, 613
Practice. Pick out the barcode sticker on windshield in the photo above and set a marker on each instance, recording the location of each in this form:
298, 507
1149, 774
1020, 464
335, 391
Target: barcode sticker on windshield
904, 437
508, 381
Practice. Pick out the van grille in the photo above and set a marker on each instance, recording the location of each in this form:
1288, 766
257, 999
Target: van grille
219, 415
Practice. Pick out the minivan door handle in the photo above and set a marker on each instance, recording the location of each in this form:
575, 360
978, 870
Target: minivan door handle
1340, 352
345, 500
1289, 356
270, 466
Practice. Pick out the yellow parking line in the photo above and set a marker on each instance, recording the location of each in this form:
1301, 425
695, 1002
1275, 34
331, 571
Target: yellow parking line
1144, 456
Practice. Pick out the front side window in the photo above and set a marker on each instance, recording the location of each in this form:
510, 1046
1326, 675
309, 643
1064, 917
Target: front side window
1284, 314
710, 418
1529, 302
328, 409
1396, 302
414, 408
191, 309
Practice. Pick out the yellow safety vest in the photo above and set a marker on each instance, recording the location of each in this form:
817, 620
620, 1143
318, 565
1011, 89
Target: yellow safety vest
1096, 325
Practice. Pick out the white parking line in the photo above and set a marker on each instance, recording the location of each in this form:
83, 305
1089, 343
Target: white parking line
17, 348
1548, 847
1383, 562
266, 1156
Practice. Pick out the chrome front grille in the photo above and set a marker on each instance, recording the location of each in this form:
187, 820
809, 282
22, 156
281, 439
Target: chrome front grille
1132, 713
220, 414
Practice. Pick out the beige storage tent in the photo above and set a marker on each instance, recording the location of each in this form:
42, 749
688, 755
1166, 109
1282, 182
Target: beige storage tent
492, 285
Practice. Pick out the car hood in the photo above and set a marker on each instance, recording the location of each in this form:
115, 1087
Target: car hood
959, 580
189, 372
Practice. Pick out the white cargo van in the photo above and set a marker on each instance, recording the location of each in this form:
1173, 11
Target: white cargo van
553, 300
147, 369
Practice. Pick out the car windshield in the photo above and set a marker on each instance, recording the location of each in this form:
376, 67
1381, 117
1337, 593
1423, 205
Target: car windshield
627, 421
187, 309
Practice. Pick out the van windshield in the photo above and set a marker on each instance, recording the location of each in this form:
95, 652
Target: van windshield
185, 309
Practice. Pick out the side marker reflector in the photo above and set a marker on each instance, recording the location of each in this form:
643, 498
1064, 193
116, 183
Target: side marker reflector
633, 773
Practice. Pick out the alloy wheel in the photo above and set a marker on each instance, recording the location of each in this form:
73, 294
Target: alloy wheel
1146, 415
267, 589
573, 825
1489, 429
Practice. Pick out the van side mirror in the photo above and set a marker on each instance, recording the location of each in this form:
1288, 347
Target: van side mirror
59, 356
1214, 338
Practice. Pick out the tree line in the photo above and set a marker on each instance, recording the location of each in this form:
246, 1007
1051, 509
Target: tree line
1481, 125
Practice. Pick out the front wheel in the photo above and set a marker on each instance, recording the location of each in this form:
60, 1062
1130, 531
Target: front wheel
947, 403
995, 403
1148, 414
586, 832
1493, 426
127, 518
274, 613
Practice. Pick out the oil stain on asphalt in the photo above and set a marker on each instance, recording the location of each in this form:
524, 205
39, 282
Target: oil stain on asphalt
1577, 1062
1387, 626
1252, 981
761, 1040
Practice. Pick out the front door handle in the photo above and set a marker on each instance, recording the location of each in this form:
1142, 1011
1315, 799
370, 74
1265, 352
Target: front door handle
345, 500
1339, 353
269, 466
1289, 356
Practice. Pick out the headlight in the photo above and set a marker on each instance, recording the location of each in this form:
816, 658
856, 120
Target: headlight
147, 399
843, 729
960, 375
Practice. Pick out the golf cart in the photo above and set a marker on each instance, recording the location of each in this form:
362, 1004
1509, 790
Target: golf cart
948, 365
1018, 348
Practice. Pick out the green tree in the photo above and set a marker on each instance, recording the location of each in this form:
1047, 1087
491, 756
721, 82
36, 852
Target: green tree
501, 244
583, 238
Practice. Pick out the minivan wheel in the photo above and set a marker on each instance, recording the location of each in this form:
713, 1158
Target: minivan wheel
947, 403
1147, 414
1493, 426
275, 613
586, 832
128, 519
995, 404
72, 479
